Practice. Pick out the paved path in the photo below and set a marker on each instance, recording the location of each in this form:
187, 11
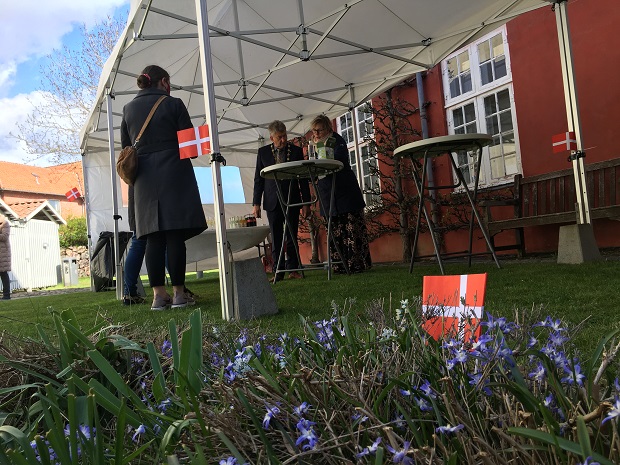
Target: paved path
45, 292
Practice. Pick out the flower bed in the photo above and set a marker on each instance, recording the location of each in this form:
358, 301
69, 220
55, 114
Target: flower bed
358, 388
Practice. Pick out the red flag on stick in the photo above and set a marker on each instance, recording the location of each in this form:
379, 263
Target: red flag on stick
73, 195
564, 141
194, 142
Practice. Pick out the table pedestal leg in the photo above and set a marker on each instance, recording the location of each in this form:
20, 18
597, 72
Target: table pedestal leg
285, 206
420, 185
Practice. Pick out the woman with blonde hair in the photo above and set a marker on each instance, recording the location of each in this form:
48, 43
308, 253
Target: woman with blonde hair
348, 223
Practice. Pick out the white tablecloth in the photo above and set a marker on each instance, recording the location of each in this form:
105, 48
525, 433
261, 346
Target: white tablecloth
204, 245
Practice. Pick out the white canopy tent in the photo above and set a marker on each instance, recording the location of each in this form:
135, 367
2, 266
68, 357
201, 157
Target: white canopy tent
286, 59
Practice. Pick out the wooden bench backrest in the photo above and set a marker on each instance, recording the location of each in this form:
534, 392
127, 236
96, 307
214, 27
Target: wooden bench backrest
555, 192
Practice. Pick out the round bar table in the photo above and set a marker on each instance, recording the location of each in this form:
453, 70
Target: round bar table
313, 170
420, 152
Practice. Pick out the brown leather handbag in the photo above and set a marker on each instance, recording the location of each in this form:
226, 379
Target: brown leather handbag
127, 163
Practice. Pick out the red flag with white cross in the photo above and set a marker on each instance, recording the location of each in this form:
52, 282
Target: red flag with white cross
564, 141
73, 195
194, 142
453, 305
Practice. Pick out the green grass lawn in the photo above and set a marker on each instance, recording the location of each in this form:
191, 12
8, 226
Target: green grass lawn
587, 294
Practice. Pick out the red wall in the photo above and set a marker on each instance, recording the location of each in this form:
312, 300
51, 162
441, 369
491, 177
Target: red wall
539, 95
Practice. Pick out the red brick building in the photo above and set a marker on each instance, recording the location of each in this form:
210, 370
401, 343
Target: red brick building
509, 84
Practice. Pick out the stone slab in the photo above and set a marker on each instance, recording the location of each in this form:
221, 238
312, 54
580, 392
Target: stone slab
252, 293
577, 244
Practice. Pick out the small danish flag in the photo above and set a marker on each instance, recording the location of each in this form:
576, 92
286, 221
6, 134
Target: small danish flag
194, 142
564, 141
453, 305
73, 195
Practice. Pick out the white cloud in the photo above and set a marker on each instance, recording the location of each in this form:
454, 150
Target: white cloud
15, 110
7, 74
33, 28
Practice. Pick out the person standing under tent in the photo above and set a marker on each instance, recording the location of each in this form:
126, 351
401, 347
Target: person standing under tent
348, 224
265, 194
168, 210
5, 257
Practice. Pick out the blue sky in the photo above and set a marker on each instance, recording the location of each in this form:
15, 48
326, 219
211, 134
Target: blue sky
29, 31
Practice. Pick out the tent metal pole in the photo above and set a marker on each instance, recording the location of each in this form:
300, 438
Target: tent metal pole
117, 255
572, 110
226, 287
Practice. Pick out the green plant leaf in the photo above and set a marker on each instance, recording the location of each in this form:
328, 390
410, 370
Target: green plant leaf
564, 444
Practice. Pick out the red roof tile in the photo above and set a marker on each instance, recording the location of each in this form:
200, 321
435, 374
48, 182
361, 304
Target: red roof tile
56, 180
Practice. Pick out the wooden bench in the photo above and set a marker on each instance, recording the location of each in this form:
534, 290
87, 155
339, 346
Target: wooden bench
550, 199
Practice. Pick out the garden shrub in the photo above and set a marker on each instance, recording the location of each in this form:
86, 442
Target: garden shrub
73, 234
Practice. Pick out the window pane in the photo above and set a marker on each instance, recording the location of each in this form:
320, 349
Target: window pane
455, 88
498, 45
471, 128
343, 121
350, 136
492, 125
464, 65
486, 73
484, 51
497, 168
503, 100
511, 164
500, 68
457, 117
489, 105
505, 121
466, 82
470, 112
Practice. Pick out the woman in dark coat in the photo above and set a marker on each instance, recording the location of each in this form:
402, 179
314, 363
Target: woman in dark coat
348, 224
167, 203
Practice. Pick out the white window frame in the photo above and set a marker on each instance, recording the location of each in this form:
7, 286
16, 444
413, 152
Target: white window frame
356, 157
476, 96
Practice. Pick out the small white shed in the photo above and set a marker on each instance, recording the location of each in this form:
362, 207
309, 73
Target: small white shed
35, 244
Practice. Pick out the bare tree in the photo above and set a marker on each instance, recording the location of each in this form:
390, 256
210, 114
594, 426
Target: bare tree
68, 88
393, 127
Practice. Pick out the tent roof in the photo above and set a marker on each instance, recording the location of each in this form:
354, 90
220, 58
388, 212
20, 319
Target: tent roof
266, 66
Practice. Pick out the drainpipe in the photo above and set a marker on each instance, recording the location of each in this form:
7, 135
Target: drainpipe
429, 163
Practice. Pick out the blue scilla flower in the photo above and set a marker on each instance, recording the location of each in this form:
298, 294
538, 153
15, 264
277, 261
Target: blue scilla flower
574, 375
539, 373
531, 342
617, 385
405, 392
555, 325
358, 418
423, 404
589, 461
166, 348
164, 404
557, 338
230, 461
372, 449
302, 409
272, 411
400, 456
481, 383
479, 347
449, 429
427, 389
614, 412
140, 430
307, 434
500, 324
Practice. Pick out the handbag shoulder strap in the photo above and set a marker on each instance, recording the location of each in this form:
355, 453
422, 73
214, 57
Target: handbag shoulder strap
148, 118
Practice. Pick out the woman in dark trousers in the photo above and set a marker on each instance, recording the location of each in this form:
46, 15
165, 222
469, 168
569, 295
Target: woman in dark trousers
348, 224
167, 203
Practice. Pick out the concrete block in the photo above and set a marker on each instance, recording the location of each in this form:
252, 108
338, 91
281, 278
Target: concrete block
577, 244
252, 292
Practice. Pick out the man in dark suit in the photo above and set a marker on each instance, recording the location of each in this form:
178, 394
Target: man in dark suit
265, 193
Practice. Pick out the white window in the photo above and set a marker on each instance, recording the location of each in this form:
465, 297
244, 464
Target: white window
55, 204
361, 157
479, 98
